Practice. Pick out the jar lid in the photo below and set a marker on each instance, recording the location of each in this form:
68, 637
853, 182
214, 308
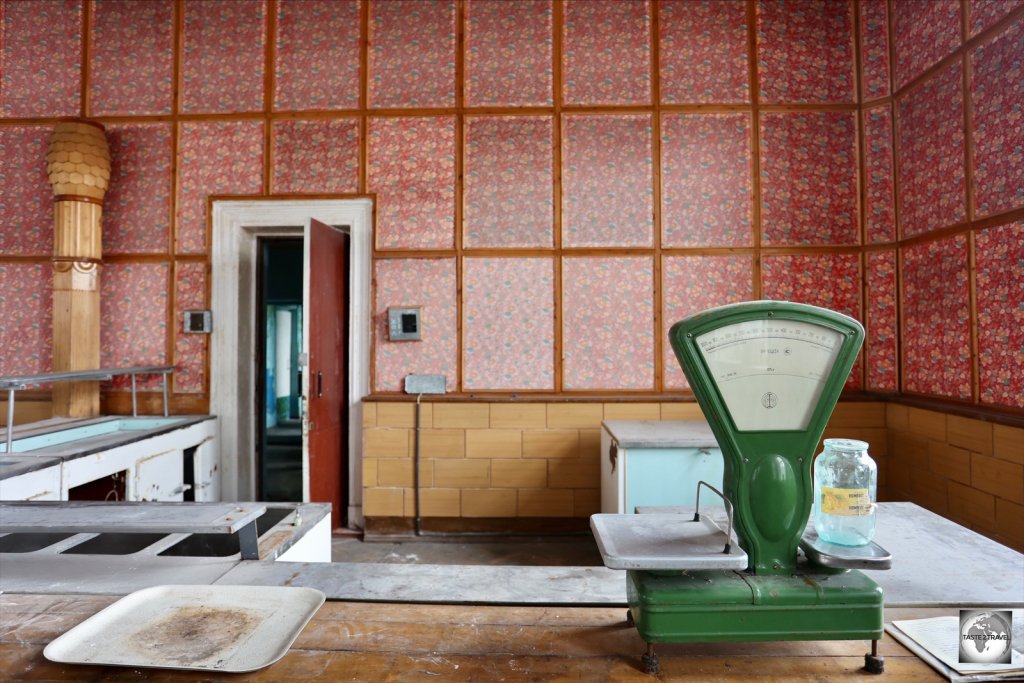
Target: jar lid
846, 445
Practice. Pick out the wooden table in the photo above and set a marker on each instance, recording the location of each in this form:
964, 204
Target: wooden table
380, 641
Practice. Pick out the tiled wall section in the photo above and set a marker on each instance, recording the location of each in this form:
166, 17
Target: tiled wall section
514, 459
703, 51
969, 470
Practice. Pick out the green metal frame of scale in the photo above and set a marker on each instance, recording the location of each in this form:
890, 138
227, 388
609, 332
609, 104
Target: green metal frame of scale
767, 478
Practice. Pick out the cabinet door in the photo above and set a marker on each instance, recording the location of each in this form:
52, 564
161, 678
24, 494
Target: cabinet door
206, 471
159, 477
669, 476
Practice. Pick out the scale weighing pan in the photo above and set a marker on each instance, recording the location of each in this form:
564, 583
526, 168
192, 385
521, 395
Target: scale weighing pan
200, 628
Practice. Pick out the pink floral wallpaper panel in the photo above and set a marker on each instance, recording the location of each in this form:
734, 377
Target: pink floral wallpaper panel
805, 51
936, 318
317, 65
809, 178
703, 51
316, 155
189, 349
222, 56
608, 328
133, 318
137, 207
879, 196
692, 284
925, 32
831, 281
607, 194
508, 177
705, 177
412, 170
999, 258
508, 53
132, 58
882, 329
931, 154
214, 158
429, 283
874, 38
412, 53
508, 324
26, 197
984, 13
606, 52
40, 58
997, 97
26, 309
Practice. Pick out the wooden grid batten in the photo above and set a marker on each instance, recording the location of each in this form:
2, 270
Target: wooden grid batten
556, 110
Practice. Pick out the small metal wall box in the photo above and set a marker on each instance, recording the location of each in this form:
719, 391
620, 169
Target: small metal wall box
198, 322
404, 323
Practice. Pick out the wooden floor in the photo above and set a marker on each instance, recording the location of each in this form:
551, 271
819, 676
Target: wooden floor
393, 642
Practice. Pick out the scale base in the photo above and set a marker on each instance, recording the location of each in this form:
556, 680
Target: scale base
721, 605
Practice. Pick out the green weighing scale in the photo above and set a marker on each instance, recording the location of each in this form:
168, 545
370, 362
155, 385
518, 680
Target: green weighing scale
767, 375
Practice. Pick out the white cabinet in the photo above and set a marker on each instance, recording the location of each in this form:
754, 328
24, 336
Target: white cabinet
206, 471
657, 463
159, 477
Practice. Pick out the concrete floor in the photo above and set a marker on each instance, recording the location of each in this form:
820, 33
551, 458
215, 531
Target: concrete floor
577, 550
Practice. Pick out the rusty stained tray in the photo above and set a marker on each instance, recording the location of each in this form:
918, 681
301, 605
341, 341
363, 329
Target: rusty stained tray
205, 628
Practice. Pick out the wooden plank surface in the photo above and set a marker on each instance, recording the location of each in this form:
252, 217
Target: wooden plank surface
396, 642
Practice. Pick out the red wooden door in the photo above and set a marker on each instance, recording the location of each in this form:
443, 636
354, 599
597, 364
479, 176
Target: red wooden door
326, 294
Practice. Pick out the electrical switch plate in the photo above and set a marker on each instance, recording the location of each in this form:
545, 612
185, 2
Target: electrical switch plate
198, 322
404, 323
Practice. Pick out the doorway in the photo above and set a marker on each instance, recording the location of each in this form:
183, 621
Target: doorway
279, 315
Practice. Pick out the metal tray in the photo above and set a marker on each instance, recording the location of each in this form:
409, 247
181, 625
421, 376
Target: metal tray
205, 628
664, 541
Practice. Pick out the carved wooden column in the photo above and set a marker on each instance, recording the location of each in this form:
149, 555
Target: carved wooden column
78, 163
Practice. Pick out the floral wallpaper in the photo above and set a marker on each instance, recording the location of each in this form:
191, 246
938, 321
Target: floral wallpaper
26, 197
508, 323
508, 53
317, 55
984, 13
692, 284
828, 280
41, 58
879, 195
874, 37
217, 157
412, 53
705, 180
999, 256
429, 283
131, 71
412, 170
508, 180
882, 329
936, 318
809, 178
607, 193
606, 53
222, 56
925, 31
316, 155
608, 328
137, 206
703, 51
931, 154
189, 349
26, 309
805, 51
133, 319
997, 99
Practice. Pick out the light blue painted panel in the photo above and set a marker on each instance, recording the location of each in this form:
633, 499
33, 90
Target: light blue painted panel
669, 476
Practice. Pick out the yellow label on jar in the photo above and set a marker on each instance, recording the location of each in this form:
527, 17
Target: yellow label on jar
845, 502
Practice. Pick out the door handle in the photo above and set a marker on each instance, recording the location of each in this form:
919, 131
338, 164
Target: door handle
319, 384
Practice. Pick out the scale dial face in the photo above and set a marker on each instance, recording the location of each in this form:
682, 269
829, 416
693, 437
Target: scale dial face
770, 373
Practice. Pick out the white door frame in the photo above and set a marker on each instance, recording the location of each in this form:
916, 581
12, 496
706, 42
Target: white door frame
236, 226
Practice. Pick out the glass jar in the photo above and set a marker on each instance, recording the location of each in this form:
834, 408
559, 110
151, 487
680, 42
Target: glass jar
845, 488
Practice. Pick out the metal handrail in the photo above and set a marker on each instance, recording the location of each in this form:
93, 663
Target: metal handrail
14, 383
